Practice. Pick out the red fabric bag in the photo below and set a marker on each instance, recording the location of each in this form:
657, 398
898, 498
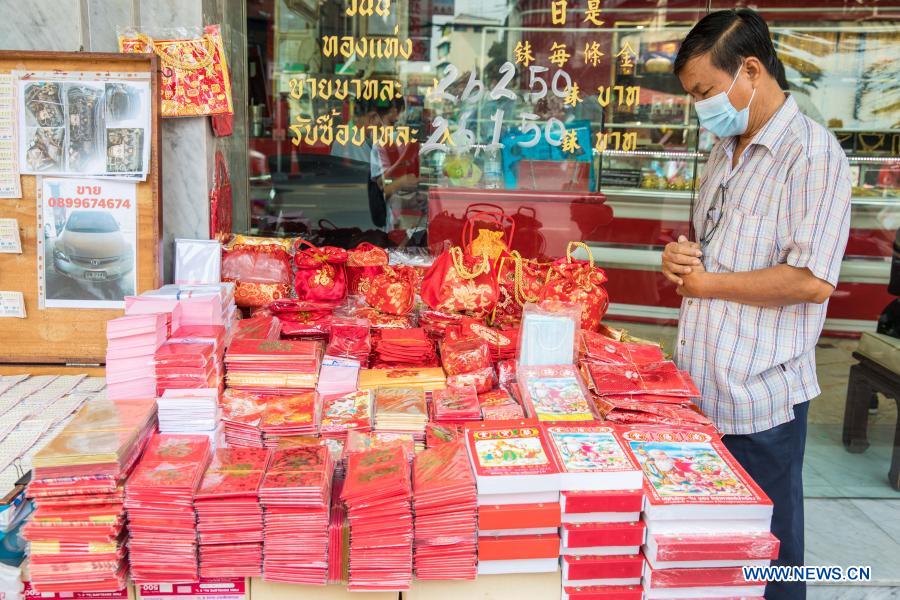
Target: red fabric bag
578, 281
363, 263
393, 291
321, 273
460, 283
518, 281
260, 269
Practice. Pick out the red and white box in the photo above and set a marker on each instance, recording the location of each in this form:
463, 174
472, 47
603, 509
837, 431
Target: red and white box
603, 592
710, 550
694, 485
718, 582
498, 554
622, 570
611, 506
519, 519
512, 462
604, 539
592, 457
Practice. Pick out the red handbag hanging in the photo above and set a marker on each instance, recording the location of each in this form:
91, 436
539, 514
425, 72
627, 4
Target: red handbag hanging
578, 281
321, 273
220, 201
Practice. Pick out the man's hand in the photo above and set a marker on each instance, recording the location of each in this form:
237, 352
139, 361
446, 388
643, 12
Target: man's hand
694, 285
681, 258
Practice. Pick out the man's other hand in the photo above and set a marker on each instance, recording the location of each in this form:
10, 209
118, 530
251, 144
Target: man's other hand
681, 258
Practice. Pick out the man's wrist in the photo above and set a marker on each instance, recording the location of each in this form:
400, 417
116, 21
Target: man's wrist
704, 284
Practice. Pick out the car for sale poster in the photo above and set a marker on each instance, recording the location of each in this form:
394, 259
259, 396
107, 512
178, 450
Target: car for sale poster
87, 242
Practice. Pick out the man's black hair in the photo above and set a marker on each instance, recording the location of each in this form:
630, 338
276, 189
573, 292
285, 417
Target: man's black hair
729, 36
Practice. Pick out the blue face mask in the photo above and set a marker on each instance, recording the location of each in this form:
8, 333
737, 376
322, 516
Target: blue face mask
719, 116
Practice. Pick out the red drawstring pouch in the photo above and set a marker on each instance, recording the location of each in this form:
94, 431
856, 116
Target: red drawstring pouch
321, 273
363, 263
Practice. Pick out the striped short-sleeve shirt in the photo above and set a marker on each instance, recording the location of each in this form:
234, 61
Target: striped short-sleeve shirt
786, 202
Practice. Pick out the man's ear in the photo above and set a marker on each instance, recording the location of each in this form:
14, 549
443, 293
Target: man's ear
754, 69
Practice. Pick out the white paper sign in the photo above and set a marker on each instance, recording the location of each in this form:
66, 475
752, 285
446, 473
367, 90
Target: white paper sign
87, 250
10, 242
12, 304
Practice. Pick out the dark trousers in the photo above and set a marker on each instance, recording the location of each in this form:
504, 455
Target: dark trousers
774, 459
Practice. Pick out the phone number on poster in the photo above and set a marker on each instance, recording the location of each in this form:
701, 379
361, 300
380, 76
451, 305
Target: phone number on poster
110, 203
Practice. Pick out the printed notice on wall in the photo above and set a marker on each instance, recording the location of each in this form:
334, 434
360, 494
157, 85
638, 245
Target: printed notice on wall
86, 242
12, 304
84, 124
10, 242
10, 186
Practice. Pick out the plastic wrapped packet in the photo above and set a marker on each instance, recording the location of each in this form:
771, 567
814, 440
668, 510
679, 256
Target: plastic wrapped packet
482, 379
555, 393
258, 328
260, 269
350, 338
549, 334
465, 355
198, 262
300, 317
506, 372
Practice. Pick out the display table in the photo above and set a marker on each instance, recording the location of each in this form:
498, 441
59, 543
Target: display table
533, 586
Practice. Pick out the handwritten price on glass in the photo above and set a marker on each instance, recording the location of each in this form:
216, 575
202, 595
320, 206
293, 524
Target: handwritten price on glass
560, 85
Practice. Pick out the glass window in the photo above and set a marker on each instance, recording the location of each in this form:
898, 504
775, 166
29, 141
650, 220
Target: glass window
566, 117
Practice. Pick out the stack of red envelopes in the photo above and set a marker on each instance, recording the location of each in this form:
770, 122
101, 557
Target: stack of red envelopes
596, 347
404, 348
338, 535
456, 404
273, 367
358, 441
77, 531
656, 378
241, 414
159, 498
296, 495
377, 494
651, 409
285, 416
346, 412
214, 335
442, 433
229, 516
257, 328
186, 366
401, 410
445, 504
499, 405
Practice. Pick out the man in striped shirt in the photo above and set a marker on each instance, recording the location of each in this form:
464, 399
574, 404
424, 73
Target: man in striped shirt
771, 222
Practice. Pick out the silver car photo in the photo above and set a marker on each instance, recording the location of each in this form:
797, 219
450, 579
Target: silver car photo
91, 247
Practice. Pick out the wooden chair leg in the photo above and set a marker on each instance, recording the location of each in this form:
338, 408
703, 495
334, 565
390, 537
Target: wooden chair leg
856, 410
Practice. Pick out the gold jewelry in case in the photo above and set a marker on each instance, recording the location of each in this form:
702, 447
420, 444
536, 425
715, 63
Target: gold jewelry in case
867, 146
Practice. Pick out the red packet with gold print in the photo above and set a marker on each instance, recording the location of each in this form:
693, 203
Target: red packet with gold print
194, 78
